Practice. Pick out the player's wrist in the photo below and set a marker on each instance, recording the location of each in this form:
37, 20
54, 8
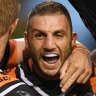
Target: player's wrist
80, 47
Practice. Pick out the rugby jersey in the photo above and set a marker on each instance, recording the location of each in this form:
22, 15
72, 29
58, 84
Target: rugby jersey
42, 87
10, 86
5, 58
16, 74
10, 54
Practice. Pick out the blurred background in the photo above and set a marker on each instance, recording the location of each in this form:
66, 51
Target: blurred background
84, 35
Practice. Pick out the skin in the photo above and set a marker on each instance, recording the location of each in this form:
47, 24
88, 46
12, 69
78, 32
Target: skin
20, 49
76, 64
94, 63
53, 36
3, 42
4, 39
75, 71
79, 75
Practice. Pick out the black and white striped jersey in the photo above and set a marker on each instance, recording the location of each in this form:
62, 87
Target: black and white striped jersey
37, 86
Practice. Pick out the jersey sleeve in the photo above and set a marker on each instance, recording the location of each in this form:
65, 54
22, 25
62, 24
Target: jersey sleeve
13, 53
93, 80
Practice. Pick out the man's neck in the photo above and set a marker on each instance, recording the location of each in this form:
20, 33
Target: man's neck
5, 58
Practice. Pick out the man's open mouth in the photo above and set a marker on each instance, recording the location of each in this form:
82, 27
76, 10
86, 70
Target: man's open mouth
50, 58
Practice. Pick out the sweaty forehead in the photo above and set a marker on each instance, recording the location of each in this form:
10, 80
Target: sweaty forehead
49, 21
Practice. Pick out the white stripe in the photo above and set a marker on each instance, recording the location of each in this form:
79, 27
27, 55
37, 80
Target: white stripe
10, 88
1, 70
30, 83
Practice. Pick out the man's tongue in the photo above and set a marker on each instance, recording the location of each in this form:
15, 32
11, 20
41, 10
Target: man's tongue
50, 58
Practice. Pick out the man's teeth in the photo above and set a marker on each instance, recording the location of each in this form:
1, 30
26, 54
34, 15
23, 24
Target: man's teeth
50, 55
50, 58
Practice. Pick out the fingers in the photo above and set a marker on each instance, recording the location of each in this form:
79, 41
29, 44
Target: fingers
83, 78
74, 74
86, 79
75, 70
63, 69
67, 80
89, 72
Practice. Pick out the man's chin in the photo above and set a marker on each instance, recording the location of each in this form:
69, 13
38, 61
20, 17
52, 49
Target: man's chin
52, 75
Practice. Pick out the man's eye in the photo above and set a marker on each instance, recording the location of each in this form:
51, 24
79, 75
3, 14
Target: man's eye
39, 36
59, 34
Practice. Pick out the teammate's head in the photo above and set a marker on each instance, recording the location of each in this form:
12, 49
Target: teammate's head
8, 20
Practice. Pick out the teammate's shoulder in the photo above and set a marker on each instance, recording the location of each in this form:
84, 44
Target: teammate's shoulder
5, 79
93, 83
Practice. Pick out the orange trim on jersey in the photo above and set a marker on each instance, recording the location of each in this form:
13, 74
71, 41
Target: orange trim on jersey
4, 79
13, 53
93, 83
11, 72
94, 69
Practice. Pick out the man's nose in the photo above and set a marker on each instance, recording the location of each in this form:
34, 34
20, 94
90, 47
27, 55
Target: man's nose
49, 44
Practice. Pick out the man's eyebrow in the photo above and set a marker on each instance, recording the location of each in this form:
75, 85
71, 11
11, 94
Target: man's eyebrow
36, 29
61, 30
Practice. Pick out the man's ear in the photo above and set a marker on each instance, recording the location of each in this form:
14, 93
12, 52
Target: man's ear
13, 26
26, 39
74, 37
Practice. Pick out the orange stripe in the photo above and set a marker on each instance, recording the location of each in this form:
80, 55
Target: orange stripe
93, 83
13, 53
11, 72
4, 79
